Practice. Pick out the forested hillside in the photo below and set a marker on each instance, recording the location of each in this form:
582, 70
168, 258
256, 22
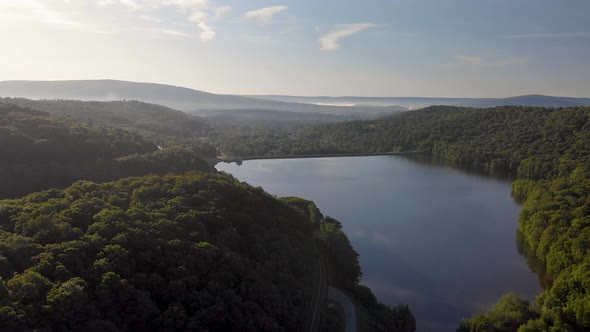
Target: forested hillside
148, 119
534, 142
195, 252
39, 151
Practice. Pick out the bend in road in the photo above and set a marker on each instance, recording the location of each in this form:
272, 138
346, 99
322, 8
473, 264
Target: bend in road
349, 308
319, 296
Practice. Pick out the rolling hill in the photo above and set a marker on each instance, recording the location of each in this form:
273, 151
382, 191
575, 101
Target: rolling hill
421, 102
130, 115
171, 96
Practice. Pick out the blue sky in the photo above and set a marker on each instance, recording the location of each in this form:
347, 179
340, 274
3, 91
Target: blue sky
451, 48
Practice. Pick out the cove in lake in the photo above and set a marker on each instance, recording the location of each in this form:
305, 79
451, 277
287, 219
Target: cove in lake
442, 240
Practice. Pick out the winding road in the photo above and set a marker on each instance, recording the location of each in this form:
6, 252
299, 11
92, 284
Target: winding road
349, 309
318, 298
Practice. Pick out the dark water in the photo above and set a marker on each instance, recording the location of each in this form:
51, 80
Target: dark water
437, 238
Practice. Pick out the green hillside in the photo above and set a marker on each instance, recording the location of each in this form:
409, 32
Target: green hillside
39, 151
195, 252
148, 119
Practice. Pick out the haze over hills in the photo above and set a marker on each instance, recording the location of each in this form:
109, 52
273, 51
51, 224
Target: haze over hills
421, 102
180, 98
130, 115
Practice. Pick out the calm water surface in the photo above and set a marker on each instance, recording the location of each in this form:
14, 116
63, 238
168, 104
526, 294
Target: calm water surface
436, 238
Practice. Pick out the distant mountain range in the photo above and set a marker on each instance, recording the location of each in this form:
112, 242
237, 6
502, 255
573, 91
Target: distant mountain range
263, 107
421, 102
180, 98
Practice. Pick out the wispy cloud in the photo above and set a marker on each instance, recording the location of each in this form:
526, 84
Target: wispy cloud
331, 40
33, 10
482, 62
196, 11
149, 18
583, 34
207, 33
264, 15
171, 32
222, 11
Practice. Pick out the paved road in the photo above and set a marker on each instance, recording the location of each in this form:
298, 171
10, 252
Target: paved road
347, 304
318, 298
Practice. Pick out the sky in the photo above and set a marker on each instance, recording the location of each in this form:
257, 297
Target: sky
394, 48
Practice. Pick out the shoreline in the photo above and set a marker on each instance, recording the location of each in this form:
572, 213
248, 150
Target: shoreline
239, 160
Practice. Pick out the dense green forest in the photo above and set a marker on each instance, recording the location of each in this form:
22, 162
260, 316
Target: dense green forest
39, 151
131, 115
191, 252
533, 142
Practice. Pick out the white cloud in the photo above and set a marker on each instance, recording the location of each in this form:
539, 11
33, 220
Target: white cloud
149, 18
264, 15
222, 11
154, 4
196, 11
198, 16
130, 4
81, 15
175, 33
171, 32
33, 10
482, 62
45, 12
207, 33
331, 40
583, 34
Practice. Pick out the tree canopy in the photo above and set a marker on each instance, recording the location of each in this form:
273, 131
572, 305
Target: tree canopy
39, 151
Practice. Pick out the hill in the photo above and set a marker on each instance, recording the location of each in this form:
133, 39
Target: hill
130, 115
421, 102
40, 151
197, 252
171, 96
530, 100
178, 253
534, 142
269, 117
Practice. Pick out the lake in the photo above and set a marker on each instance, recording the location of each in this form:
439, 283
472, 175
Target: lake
437, 238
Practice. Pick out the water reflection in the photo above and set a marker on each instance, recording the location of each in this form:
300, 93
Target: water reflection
533, 262
432, 161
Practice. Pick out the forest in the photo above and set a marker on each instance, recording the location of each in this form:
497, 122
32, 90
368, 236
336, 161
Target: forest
148, 119
101, 230
533, 142
192, 252
40, 151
